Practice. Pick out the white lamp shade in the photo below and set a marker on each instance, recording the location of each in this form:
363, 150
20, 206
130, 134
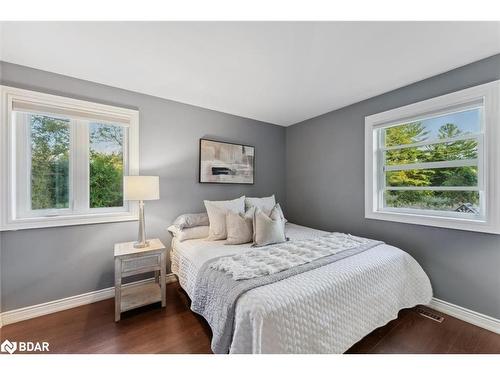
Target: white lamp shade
141, 188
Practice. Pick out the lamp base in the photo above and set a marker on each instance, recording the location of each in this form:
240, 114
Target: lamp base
142, 242
141, 245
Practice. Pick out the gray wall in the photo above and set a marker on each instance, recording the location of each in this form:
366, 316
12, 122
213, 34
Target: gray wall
325, 189
40, 265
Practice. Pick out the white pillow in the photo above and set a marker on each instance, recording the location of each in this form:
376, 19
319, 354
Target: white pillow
191, 220
266, 204
239, 227
268, 229
189, 233
216, 211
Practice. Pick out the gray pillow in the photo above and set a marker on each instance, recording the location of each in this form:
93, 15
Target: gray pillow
189, 233
266, 204
191, 220
239, 227
268, 229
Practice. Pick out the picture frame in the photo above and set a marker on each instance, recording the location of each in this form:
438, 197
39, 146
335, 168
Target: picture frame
226, 163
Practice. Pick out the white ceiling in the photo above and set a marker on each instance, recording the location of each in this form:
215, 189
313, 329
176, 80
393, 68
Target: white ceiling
278, 72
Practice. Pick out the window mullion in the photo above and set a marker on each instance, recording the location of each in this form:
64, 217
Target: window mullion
431, 188
80, 163
433, 165
382, 171
23, 161
432, 142
482, 175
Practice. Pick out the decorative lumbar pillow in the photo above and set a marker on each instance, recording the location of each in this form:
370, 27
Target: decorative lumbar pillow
189, 233
266, 204
191, 220
239, 227
268, 229
216, 211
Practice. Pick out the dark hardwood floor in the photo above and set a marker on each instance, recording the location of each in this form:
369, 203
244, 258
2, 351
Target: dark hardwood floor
175, 329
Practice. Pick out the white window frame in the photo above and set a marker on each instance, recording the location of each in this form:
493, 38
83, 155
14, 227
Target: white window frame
14, 214
488, 95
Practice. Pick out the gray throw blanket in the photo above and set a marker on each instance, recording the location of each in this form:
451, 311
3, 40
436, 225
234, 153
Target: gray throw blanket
216, 292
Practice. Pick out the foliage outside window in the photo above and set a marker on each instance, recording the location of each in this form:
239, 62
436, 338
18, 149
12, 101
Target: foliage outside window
50, 143
432, 164
106, 165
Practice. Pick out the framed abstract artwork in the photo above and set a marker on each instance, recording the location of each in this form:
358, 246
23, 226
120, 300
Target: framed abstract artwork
226, 163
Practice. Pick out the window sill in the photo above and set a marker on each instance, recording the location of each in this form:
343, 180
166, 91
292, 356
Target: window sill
436, 221
63, 221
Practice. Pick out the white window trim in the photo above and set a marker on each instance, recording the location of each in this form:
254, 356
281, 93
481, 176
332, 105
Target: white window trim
489, 95
8, 220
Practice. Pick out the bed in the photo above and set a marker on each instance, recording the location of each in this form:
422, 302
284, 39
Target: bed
324, 310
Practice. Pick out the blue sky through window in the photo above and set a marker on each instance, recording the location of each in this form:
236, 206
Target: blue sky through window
467, 121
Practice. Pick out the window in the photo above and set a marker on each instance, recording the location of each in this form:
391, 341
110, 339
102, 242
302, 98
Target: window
64, 160
436, 162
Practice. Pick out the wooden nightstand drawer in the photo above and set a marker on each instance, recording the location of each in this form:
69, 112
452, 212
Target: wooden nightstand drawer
152, 262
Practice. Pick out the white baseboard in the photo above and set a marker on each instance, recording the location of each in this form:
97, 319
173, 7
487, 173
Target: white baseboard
34, 311
469, 316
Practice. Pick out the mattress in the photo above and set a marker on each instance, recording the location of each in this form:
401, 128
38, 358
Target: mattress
325, 310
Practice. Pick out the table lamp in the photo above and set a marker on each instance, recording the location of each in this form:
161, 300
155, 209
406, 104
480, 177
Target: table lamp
141, 188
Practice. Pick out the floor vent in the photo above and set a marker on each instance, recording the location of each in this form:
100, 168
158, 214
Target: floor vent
430, 315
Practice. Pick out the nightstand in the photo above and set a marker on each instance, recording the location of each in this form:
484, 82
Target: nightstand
131, 261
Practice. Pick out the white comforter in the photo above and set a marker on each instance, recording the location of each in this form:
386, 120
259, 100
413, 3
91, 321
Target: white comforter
325, 310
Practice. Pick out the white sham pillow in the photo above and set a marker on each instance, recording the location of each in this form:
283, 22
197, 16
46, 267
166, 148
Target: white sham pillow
189, 233
217, 211
191, 220
268, 229
239, 227
266, 204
